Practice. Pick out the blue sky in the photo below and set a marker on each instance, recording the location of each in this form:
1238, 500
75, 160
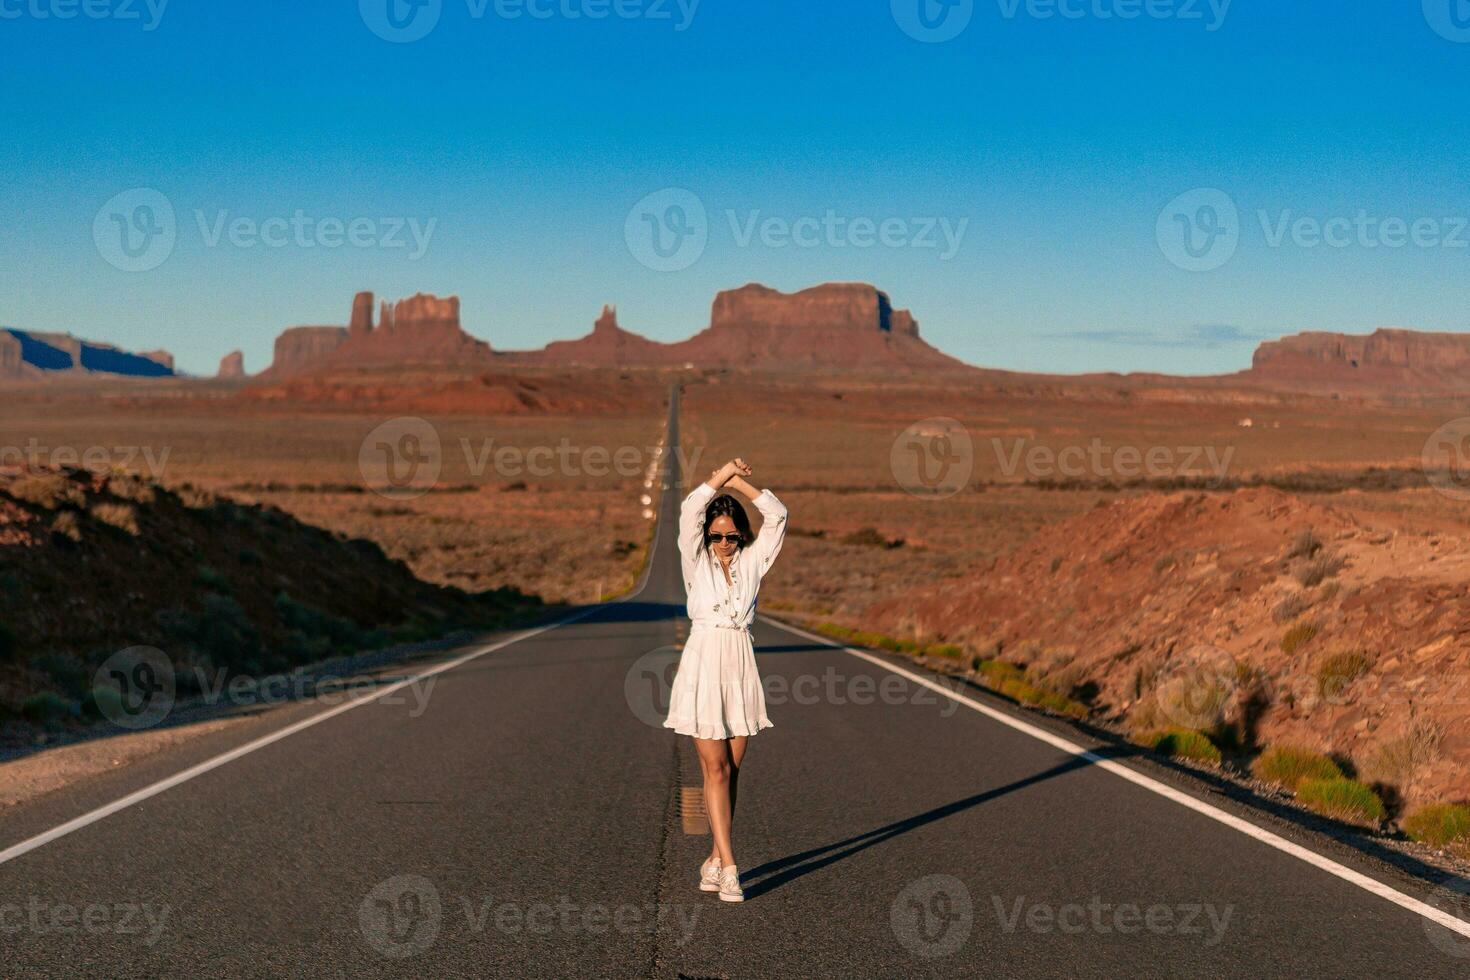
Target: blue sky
1058, 151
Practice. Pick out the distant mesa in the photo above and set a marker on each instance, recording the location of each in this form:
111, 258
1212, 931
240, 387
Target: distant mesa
1391, 359
31, 355
851, 326
232, 365
420, 329
162, 357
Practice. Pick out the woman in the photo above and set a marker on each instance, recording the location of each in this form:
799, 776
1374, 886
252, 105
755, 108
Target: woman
717, 696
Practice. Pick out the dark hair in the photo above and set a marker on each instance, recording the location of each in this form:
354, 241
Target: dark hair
725, 505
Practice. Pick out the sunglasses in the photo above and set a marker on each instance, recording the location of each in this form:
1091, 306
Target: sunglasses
732, 538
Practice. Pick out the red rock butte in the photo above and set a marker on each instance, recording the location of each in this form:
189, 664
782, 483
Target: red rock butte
849, 326
422, 329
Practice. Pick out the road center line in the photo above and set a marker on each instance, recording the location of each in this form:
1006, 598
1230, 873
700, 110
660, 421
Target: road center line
1438, 916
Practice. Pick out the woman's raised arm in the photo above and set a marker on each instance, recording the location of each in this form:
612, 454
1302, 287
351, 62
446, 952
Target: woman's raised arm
773, 526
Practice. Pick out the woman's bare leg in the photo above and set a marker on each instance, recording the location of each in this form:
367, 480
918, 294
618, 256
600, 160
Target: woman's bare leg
737, 755
714, 759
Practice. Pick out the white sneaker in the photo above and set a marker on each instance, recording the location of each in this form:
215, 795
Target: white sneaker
730, 890
709, 876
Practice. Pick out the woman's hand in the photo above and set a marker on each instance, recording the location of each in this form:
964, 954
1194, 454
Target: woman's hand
736, 467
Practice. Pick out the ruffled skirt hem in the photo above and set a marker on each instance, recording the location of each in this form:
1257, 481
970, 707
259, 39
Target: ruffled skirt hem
717, 692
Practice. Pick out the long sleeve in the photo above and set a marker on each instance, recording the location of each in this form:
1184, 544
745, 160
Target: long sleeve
773, 529
691, 521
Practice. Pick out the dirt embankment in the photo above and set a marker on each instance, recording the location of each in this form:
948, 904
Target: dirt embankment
95, 563
1323, 632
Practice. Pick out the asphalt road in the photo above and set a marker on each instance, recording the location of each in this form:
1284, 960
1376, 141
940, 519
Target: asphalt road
518, 816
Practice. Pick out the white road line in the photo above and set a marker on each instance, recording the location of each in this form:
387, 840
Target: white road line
107, 810
138, 796
1311, 857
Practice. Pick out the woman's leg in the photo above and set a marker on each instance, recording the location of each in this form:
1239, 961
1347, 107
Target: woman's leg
737, 754
714, 759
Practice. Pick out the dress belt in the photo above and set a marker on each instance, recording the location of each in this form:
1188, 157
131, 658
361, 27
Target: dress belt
717, 624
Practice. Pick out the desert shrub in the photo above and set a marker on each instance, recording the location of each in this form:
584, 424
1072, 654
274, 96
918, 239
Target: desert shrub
131, 488
9, 649
315, 627
1305, 545
1342, 799
48, 490
45, 708
213, 580
67, 527
69, 673
249, 556
1441, 824
1289, 767
869, 537
1297, 637
1395, 760
11, 585
222, 633
1339, 670
124, 517
1291, 607
1317, 570
948, 651
997, 672
1185, 743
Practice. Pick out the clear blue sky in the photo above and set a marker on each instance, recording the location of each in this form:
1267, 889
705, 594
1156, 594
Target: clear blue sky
1059, 140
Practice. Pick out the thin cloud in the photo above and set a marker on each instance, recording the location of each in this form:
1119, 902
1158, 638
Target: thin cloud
1200, 336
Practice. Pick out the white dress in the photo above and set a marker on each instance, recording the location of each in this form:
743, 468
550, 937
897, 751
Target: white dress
717, 690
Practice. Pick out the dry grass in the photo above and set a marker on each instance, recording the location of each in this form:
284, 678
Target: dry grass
1336, 673
1441, 824
1297, 637
1342, 799
124, 517
48, 490
1288, 767
1394, 761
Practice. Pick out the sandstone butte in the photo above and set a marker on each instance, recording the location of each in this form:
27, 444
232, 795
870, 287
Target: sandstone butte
232, 365
836, 325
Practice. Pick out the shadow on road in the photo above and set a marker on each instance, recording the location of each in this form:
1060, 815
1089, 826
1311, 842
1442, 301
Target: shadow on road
774, 874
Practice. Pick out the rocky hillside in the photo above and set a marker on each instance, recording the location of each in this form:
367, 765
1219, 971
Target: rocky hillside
1322, 632
91, 564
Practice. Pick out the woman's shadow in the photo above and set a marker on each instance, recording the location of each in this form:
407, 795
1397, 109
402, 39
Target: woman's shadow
774, 874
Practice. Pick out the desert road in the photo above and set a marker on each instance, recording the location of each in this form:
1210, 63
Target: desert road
517, 814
